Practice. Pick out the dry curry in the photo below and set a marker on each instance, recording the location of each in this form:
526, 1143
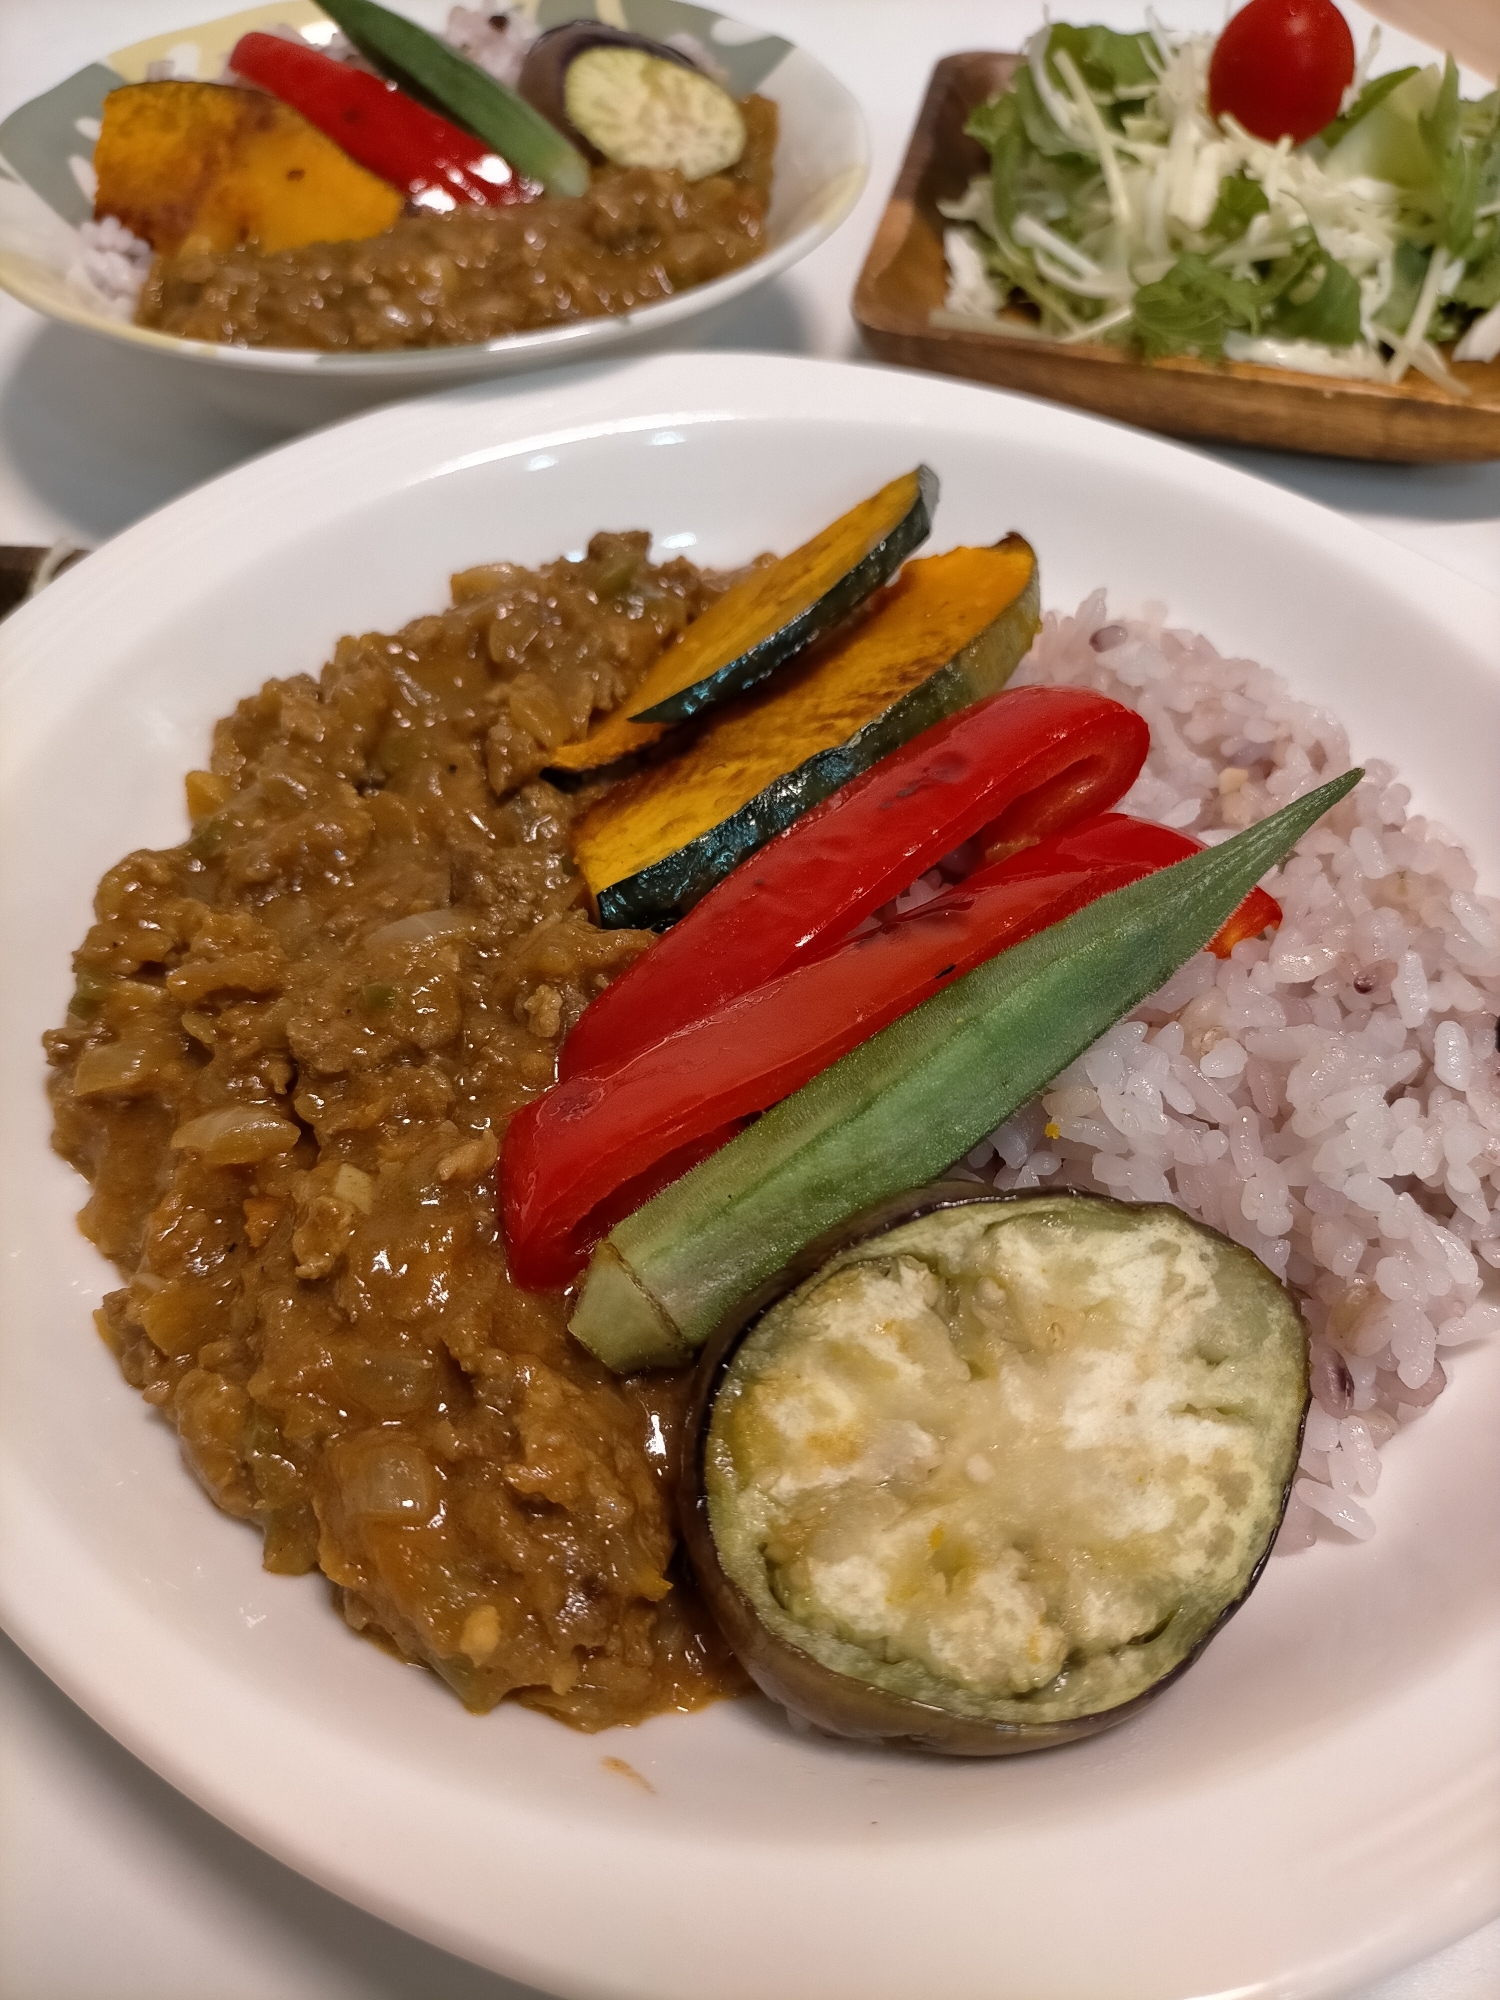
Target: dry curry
293, 1044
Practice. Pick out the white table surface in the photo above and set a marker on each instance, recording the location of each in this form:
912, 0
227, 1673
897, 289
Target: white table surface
112, 1887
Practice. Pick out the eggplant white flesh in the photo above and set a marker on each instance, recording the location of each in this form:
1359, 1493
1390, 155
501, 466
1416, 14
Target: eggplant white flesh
989, 1473
545, 70
640, 109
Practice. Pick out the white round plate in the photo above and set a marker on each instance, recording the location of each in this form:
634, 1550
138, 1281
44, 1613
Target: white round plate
46, 150
1316, 1802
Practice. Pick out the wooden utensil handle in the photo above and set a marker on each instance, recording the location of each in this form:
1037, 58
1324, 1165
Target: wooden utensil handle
21, 567
1470, 29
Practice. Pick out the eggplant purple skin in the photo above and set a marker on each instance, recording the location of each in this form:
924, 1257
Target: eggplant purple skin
837, 1703
544, 73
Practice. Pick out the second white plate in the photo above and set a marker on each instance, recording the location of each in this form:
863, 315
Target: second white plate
822, 158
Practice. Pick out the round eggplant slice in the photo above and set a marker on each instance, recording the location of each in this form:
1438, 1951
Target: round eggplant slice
986, 1473
544, 73
645, 111
633, 101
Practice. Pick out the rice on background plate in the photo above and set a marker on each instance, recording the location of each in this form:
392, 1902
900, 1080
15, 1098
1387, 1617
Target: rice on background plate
1330, 1095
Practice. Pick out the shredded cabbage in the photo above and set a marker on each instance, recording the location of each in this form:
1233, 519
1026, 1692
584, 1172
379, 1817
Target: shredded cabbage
1118, 208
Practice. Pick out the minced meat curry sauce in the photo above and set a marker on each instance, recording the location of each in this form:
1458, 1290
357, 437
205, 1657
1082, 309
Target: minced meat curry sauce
293, 1044
636, 236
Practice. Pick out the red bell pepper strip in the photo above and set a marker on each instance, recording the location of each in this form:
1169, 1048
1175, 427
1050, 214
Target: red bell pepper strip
1115, 837
438, 165
567, 1152
1259, 912
596, 1145
1018, 767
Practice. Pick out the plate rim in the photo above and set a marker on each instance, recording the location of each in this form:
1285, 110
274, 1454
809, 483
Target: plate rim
399, 445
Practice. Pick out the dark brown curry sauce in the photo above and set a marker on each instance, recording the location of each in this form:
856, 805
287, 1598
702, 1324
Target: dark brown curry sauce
294, 1044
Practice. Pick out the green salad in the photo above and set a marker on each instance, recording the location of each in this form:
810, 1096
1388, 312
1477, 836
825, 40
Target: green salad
1126, 202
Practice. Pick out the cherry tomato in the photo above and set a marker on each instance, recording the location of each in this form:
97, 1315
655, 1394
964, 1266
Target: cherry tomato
1281, 67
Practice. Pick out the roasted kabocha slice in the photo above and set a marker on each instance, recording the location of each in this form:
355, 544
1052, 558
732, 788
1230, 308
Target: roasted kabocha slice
203, 166
950, 630
767, 618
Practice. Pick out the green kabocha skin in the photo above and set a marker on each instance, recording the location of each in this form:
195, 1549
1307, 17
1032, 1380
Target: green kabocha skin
909, 1102
659, 894
893, 541
430, 70
991, 1474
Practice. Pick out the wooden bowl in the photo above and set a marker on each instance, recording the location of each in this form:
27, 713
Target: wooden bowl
904, 281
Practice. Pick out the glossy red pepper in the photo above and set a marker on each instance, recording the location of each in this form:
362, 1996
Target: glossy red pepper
596, 1146
1014, 768
1110, 838
566, 1153
438, 165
